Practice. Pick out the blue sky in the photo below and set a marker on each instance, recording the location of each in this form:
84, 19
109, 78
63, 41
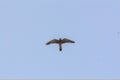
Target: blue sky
26, 25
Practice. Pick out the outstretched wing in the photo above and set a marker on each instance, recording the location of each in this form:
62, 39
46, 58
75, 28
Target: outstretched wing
52, 41
65, 40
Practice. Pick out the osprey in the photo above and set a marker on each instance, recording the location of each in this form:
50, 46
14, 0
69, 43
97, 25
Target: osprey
60, 42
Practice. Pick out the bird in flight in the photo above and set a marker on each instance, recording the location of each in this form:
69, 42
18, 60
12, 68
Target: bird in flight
60, 42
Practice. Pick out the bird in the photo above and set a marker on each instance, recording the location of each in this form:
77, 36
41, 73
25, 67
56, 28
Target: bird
60, 41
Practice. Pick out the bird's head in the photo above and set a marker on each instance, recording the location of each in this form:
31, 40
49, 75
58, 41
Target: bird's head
60, 39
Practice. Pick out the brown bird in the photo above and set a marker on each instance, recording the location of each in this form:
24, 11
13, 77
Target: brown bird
60, 42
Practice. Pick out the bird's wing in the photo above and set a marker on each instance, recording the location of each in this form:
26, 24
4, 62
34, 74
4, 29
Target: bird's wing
65, 40
52, 41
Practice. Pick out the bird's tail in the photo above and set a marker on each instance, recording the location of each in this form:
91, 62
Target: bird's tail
60, 47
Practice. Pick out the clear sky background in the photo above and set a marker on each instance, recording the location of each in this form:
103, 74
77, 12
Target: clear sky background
26, 25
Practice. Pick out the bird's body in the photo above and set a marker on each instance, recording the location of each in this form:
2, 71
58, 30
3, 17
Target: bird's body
60, 42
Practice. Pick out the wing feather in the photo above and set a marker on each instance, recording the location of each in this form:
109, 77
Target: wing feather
65, 40
52, 41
